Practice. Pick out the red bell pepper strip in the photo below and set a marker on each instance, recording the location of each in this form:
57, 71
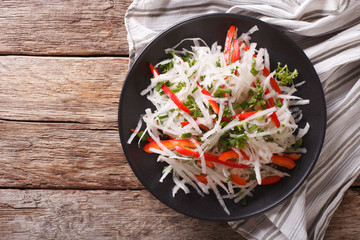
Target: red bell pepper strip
270, 180
154, 70
170, 144
238, 180
184, 123
175, 99
168, 92
236, 51
283, 161
245, 115
228, 41
244, 46
187, 151
231, 154
266, 71
192, 153
240, 116
293, 156
229, 163
208, 157
212, 102
270, 100
275, 119
201, 178
275, 85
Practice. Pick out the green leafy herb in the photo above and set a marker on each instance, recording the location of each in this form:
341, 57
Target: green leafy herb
163, 115
229, 178
185, 135
195, 111
143, 136
158, 86
297, 144
244, 105
243, 202
253, 127
224, 90
267, 138
195, 89
227, 112
253, 71
284, 75
167, 66
178, 87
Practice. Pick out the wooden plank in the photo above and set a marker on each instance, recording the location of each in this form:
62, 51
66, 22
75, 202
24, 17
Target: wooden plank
41, 27
58, 214
84, 90
49, 214
68, 155
345, 221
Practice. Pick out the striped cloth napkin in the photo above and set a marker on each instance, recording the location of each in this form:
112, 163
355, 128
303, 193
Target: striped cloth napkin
329, 33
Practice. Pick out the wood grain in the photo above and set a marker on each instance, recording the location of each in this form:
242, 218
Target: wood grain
84, 90
49, 214
62, 155
59, 27
346, 219
70, 214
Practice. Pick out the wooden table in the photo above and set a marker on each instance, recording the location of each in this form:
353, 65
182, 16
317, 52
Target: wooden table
63, 174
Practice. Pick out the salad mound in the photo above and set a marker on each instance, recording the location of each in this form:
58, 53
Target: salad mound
222, 119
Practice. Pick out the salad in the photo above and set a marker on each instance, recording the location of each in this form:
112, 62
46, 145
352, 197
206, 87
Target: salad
223, 121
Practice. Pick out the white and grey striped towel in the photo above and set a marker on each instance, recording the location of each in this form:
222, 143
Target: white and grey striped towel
329, 33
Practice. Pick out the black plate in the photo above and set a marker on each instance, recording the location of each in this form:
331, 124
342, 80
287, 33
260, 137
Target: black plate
213, 28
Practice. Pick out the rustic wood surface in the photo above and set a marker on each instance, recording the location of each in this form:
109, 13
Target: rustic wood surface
63, 174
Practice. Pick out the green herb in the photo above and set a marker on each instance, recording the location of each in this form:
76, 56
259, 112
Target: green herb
243, 202
253, 127
278, 103
193, 107
143, 135
158, 86
187, 57
284, 75
164, 169
163, 115
252, 176
178, 87
267, 138
167, 66
224, 90
260, 130
253, 71
195, 89
229, 178
185, 135
237, 105
218, 64
297, 144
227, 112
244, 105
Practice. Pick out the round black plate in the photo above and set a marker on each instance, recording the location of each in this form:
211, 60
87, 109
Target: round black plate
211, 28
